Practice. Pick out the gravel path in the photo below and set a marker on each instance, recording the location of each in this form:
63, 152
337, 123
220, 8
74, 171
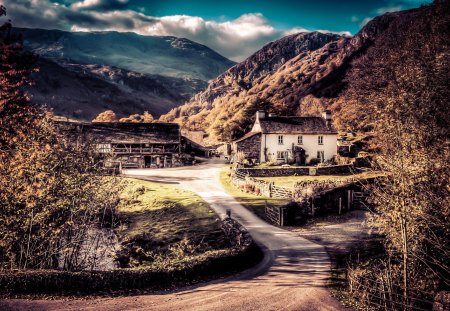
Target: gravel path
292, 276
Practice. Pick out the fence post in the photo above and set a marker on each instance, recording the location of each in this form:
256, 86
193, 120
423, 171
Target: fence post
340, 205
349, 199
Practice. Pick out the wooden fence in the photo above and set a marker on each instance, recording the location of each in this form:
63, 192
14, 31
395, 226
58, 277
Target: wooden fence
260, 187
277, 215
308, 198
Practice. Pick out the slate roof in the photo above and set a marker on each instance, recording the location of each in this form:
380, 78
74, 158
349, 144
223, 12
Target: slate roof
117, 132
248, 135
296, 125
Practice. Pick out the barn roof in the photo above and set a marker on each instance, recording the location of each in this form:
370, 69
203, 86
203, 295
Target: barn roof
119, 132
296, 125
248, 135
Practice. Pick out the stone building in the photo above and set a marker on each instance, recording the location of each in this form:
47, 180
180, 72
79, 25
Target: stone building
299, 140
130, 145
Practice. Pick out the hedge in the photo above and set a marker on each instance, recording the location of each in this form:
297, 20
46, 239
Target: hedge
67, 283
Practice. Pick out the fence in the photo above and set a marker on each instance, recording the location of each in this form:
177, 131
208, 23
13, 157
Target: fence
309, 197
278, 215
259, 187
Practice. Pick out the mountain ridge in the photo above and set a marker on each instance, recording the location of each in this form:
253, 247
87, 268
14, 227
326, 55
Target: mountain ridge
165, 55
145, 73
301, 85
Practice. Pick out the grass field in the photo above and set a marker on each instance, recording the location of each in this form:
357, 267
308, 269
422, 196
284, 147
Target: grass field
252, 202
289, 181
164, 223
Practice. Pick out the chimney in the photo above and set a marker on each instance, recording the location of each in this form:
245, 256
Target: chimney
260, 114
327, 116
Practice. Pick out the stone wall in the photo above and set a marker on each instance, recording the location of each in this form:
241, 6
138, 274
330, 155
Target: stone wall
236, 233
296, 171
250, 146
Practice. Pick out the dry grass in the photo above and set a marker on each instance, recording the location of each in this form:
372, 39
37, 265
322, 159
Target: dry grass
254, 203
165, 223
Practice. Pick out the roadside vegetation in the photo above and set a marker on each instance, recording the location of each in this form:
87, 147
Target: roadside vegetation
60, 216
399, 89
253, 203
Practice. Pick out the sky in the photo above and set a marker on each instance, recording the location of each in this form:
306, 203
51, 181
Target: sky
233, 28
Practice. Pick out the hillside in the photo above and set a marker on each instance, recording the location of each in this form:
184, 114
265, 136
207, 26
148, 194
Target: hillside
302, 81
83, 91
168, 56
82, 74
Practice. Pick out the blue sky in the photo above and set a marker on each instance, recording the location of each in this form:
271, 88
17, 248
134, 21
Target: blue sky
234, 28
318, 14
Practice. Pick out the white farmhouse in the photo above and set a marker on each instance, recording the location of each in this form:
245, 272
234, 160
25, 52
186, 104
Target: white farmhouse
299, 140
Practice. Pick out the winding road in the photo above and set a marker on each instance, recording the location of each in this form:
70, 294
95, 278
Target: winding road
292, 276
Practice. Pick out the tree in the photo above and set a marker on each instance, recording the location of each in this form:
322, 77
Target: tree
134, 118
50, 192
400, 88
137, 118
147, 117
106, 116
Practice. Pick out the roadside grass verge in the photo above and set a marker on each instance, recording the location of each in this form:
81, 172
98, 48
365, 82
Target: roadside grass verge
289, 181
361, 252
253, 203
165, 225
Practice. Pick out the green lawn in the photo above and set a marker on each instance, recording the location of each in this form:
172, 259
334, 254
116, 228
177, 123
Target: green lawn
252, 202
164, 223
289, 181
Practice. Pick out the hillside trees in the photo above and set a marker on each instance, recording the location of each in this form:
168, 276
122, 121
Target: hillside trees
110, 116
106, 116
50, 193
400, 89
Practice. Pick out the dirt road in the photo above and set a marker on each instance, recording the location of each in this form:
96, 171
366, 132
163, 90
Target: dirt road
292, 276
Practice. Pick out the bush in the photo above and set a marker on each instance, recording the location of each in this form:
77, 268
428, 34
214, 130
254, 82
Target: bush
51, 281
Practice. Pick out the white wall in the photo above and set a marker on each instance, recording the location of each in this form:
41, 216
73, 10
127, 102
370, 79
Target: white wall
310, 144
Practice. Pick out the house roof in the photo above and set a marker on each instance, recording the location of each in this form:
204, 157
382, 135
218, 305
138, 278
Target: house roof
117, 132
248, 135
296, 125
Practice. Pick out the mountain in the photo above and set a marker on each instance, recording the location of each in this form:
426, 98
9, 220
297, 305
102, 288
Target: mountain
83, 91
84, 73
310, 73
236, 94
168, 56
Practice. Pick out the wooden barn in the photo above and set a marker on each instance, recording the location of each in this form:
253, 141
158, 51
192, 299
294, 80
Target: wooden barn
131, 145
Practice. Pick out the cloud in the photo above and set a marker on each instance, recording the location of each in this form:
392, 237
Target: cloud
99, 4
235, 39
392, 8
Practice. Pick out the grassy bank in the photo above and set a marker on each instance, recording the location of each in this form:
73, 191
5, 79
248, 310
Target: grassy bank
165, 225
254, 203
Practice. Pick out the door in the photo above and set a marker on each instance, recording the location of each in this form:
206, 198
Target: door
300, 157
147, 161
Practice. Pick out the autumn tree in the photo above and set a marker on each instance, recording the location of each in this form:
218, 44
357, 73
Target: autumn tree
400, 88
106, 116
50, 192
137, 118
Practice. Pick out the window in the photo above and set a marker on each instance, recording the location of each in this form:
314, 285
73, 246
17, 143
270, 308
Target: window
280, 155
321, 156
320, 140
300, 140
280, 139
103, 148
